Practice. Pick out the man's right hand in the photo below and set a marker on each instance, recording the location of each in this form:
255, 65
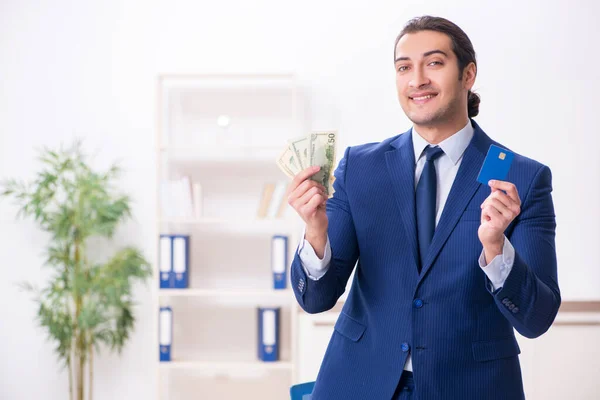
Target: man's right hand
309, 199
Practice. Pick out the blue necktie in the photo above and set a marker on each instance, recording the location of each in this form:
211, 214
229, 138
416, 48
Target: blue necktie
425, 202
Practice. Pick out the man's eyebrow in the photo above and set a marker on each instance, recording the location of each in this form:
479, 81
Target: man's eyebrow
424, 55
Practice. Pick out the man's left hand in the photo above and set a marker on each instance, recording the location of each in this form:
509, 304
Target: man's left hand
497, 212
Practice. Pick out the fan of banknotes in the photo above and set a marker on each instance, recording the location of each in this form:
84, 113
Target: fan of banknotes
316, 148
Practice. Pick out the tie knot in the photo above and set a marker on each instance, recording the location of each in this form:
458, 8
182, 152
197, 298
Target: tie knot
433, 152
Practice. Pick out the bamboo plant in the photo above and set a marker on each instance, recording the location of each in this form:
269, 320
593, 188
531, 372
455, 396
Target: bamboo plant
85, 304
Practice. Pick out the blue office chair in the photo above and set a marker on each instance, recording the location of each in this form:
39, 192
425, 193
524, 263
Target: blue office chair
302, 391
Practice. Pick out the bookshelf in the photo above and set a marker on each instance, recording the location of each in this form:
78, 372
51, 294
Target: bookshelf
218, 138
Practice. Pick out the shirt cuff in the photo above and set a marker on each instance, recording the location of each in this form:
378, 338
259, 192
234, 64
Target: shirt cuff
498, 269
314, 267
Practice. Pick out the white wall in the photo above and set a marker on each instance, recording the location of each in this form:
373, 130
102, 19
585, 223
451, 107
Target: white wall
88, 69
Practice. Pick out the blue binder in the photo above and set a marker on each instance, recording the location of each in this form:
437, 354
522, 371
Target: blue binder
279, 261
181, 261
165, 333
268, 334
165, 266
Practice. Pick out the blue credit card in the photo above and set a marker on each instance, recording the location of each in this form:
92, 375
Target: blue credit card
496, 164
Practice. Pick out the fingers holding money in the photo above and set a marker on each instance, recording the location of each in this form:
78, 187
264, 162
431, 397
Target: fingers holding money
302, 176
310, 205
305, 195
309, 184
305, 191
315, 201
310, 194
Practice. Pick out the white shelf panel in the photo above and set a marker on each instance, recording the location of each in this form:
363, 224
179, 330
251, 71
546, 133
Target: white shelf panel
212, 366
280, 81
242, 224
220, 293
225, 381
228, 221
224, 154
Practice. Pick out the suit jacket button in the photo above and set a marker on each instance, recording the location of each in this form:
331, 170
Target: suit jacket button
405, 347
511, 307
515, 310
418, 303
505, 301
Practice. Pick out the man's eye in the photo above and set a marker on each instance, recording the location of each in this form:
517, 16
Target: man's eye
435, 62
402, 68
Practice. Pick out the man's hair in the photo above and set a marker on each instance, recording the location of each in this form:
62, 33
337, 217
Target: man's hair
461, 45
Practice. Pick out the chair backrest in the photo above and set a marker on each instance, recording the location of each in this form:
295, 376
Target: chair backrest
302, 391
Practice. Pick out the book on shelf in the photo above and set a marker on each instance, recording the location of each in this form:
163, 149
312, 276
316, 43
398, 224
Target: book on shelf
268, 333
165, 333
181, 198
165, 264
273, 202
279, 260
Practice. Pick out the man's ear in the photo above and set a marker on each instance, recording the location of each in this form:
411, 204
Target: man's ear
469, 75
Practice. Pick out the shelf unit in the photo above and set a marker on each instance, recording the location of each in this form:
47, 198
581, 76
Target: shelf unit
225, 132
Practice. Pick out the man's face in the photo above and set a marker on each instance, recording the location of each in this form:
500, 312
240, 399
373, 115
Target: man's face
427, 79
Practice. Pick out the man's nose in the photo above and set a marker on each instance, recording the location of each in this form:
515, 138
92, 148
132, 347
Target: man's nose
418, 79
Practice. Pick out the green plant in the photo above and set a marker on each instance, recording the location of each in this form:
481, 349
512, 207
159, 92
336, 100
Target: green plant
85, 303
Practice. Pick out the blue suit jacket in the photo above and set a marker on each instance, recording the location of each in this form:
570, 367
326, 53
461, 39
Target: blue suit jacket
458, 331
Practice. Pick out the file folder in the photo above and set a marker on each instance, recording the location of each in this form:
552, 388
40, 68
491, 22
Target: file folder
279, 261
166, 261
165, 333
268, 334
181, 252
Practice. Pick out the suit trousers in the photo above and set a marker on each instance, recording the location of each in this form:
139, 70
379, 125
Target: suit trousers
405, 388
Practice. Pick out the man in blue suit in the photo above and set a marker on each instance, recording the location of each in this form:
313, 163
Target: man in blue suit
446, 267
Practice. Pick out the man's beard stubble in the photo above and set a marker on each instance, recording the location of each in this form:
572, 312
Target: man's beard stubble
437, 117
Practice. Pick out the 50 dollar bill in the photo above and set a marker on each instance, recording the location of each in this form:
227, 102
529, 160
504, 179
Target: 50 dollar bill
316, 148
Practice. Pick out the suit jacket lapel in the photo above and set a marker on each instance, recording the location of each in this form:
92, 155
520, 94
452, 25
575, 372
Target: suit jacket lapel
401, 167
463, 189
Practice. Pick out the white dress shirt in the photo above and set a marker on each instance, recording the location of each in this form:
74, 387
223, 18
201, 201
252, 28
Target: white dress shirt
446, 168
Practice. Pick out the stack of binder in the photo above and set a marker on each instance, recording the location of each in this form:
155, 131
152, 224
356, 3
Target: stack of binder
165, 333
174, 261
